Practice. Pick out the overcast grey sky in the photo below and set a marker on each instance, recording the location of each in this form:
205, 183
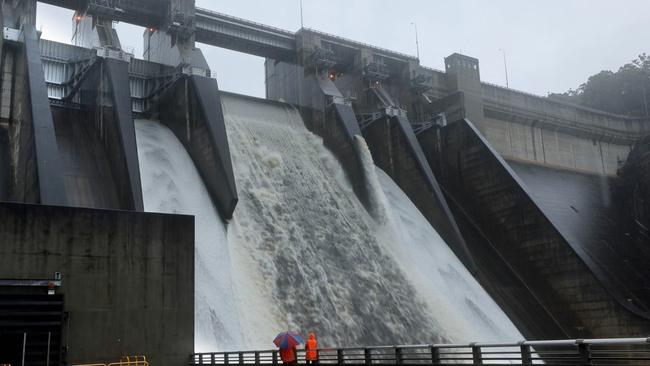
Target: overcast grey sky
551, 45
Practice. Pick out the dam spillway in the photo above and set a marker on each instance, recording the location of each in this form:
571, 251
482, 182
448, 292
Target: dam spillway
369, 198
302, 252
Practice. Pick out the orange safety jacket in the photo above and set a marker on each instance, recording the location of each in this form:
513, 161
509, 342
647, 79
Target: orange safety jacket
311, 348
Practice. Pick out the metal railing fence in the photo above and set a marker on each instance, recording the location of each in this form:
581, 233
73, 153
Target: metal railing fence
616, 351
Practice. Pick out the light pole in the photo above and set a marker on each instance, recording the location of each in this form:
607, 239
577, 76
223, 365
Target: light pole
645, 98
417, 42
301, 17
505, 66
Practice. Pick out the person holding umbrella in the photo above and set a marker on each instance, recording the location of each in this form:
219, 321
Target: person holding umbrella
287, 342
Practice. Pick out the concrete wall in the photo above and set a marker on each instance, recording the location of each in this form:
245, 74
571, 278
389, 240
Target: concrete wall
533, 143
634, 192
128, 278
87, 174
560, 283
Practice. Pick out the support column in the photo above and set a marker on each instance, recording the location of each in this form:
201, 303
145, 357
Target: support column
36, 176
175, 44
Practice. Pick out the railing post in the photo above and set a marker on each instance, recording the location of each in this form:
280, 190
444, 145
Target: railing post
226, 360
477, 356
339, 356
526, 358
47, 362
398, 356
211, 358
200, 358
257, 357
24, 346
583, 350
274, 357
435, 355
367, 360
241, 358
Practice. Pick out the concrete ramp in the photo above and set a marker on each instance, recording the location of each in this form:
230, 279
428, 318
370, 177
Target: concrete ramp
583, 210
545, 244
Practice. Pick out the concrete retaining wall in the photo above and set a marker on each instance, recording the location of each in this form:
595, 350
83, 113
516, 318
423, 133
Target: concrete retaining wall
128, 278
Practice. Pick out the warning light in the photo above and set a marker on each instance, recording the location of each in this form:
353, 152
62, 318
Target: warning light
151, 30
78, 18
332, 76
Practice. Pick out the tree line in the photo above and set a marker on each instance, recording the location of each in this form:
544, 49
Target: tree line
625, 92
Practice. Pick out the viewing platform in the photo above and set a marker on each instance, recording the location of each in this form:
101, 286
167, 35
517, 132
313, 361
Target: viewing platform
612, 351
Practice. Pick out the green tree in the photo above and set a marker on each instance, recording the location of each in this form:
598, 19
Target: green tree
626, 91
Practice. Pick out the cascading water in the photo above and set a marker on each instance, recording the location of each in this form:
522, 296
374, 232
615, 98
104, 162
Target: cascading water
172, 184
302, 253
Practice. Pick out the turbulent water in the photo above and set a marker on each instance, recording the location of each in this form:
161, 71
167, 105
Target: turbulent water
302, 253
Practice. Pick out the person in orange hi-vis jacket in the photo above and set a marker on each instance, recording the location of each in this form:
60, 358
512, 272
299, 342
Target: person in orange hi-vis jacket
311, 350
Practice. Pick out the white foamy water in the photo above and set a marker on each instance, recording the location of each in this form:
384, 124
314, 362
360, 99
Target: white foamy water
302, 253
172, 184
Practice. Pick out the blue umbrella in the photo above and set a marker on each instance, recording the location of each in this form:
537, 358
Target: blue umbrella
286, 340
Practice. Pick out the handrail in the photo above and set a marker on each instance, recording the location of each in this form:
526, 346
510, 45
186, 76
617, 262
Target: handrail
553, 352
360, 43
212, 13
124, 361
567, 123
565, 103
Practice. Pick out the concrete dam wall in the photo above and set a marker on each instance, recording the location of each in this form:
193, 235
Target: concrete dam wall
557, 232
358, 200
559, 174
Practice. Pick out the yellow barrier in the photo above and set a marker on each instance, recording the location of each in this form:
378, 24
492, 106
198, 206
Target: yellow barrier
131, 361
124, 361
